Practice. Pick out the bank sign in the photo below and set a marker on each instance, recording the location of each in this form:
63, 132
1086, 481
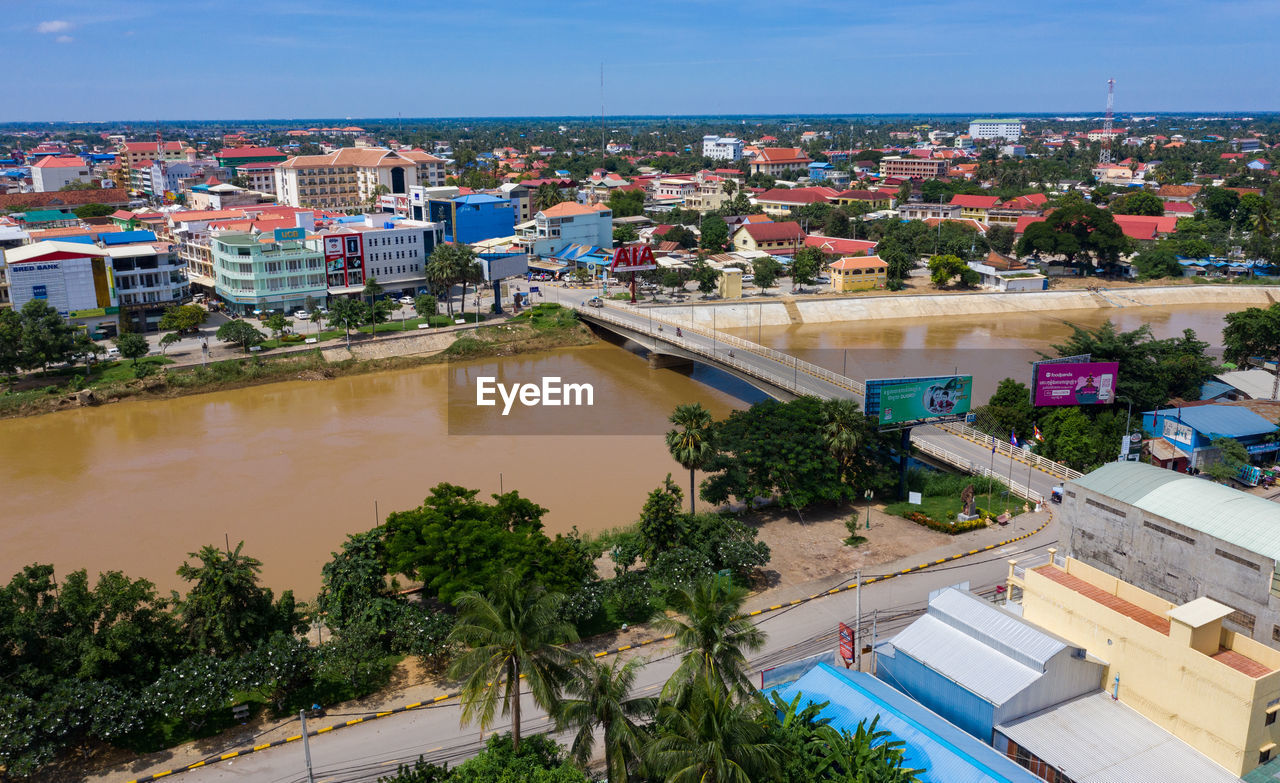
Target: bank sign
899, 400
1079, 383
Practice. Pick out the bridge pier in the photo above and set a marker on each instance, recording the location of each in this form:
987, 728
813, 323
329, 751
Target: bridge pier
661, 361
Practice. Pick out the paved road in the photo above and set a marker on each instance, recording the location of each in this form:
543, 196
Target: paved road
363, 752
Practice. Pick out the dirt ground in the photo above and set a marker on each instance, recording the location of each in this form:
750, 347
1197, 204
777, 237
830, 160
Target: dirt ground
811, 547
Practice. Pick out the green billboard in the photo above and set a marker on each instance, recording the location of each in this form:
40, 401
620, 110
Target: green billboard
898, 400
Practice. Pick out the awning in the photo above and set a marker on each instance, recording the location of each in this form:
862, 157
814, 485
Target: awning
547, 264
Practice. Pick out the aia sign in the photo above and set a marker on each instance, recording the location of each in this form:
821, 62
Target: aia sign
633, 258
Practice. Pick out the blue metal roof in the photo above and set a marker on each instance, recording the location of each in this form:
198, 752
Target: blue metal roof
479, 198
127, 237
78, 240
1213, 389
945, 753
1228, 421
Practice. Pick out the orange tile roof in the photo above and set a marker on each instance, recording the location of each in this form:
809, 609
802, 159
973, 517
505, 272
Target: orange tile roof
1116, 604
59, 162
568, 208
1241, 663
859, 262
360, 157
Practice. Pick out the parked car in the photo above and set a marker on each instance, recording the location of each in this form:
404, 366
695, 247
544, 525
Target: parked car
748, 278
406, 300
113, 351
302, 315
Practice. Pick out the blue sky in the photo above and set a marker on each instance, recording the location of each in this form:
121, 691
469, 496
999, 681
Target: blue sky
204, 59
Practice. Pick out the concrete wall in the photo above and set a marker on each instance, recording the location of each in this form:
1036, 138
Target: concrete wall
1212, 707
1127, 547
857, 308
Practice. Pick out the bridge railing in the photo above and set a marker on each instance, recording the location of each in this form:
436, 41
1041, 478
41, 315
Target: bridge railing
784, 359
967, 465
1005, 448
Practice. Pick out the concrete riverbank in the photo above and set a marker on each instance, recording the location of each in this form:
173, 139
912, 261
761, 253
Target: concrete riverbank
786, 310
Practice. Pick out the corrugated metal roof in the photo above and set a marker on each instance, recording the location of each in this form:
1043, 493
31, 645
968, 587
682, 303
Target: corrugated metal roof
1094, 739
943, 751
1225, 421
1248, 521
982, 648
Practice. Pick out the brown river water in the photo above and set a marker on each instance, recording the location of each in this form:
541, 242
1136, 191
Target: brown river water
291, 468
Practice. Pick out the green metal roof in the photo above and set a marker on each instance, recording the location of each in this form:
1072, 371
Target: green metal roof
1248, 521
45, 216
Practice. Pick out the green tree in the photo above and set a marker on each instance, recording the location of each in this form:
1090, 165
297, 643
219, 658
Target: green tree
682, 236
626, 203
713, 639
424, 305
660, 527
1152, 371
226, 611
239, 333
624, 233
93, 211
691, 443
1219, 203
372, 290
774, 448
515, 630
845, 433
597, 698
354, 585
168, 339
1000, 238
715, 233
1156, 263
379, 313
1264, 218
943, 268
46, 338
1252, 337
132, 346
713, 739
183, 319
806, 265
548, 195
346, 314
277, 323
1008, 411
706, 276
1138, 203
1082, 233
836, 224
11, 357
1232, 455
865, 755
766, 270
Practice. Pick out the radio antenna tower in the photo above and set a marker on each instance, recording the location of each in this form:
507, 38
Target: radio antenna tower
1104, 158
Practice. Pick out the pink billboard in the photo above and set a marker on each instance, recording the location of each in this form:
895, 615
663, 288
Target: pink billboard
1076, 383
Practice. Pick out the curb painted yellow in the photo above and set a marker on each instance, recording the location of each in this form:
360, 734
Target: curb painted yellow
603, 653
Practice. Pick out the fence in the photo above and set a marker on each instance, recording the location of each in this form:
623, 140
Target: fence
939, 453
1007, 449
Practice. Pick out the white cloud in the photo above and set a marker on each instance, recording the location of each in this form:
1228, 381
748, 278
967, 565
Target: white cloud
53, 26
64, 39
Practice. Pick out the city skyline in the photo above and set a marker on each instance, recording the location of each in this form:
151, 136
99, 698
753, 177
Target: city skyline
282, 59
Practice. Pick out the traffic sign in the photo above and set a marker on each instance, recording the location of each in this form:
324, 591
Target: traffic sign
846, 643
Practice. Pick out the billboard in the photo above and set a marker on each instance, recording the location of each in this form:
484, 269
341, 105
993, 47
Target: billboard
633, 258
898, 400
282, 234
1075, 383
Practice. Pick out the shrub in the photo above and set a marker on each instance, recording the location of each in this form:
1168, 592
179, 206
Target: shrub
950, 528
629, 595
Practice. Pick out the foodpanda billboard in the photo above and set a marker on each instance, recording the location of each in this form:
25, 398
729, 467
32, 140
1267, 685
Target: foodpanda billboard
1075, 383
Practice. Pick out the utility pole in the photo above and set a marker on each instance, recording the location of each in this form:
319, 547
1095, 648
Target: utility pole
306, 746
857, 625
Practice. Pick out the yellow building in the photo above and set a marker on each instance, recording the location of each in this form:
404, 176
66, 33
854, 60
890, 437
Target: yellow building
858, 273
1214, 689
730, 283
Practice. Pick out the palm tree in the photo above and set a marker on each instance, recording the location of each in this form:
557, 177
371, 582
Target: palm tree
1264, 218
439, 272
691, 442
602, 703
864, 754
843, 432
714, 740
713, 637
546, 196
514, 631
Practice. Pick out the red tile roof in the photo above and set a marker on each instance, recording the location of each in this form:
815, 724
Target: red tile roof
836, 246
1116, 604
781, 155
974, 202
1179, 206
865, 195
248, 152
69, 198
787, 230
815, 195
1146, 226
859, 262
59, 162
1241, 663
1027, 220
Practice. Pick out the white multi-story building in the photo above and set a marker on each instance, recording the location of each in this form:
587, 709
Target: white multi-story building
55, 172
72, 277
349, 177
149, 277
259, 176
274, 275
1010, 129
570, 223
722, 147
395, 253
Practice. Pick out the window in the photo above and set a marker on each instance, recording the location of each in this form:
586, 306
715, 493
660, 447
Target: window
1166, 531
1270, 719
1264, 756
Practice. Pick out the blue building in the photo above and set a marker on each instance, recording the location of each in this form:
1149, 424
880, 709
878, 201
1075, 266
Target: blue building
473, 218
819, 171
978, 666
1188, 434
944, 753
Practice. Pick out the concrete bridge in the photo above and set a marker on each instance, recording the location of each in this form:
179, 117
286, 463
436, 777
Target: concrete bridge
786, 377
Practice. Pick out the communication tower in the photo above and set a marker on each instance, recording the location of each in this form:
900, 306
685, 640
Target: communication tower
1104, 158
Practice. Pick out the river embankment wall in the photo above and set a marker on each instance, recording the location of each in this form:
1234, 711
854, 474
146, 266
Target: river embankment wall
787, 310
